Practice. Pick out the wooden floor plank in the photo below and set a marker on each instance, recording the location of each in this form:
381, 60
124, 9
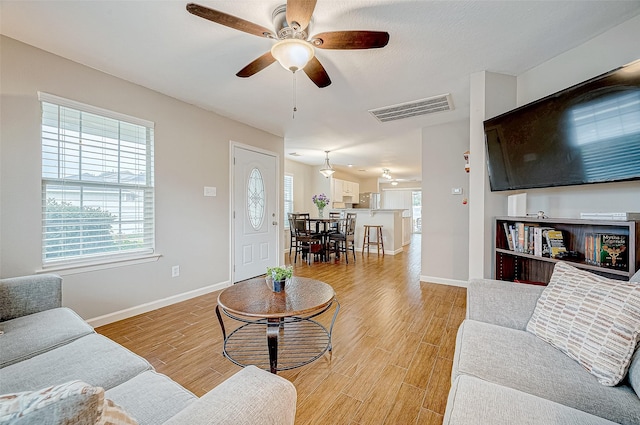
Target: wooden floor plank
406, 406
393, 344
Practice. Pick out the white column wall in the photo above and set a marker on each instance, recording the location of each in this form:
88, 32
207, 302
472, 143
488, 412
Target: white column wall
445, 219
491, 95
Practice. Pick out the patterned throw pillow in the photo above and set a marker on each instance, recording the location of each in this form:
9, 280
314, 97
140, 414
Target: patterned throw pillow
592, 319
112, 414
72, 402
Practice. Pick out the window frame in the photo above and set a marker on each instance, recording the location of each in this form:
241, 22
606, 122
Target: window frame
286, 200
144, 211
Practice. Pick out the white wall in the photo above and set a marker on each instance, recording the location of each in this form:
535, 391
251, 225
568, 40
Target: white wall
445, 219
303, 190
610, 50
191, 151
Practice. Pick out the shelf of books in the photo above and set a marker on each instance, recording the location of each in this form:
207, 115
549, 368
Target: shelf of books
527, 248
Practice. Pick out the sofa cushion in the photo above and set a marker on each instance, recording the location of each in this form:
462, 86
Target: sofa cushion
273, 401
592, 319
24, 295
522, 361
93, 359
151, 398
69, 403
473, 401
28, 336
633, 376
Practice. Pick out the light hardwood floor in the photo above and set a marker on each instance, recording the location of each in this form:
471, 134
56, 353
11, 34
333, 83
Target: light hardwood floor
393, 344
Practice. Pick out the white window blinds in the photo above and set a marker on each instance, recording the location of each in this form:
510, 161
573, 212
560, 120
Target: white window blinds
97, 182
288, 198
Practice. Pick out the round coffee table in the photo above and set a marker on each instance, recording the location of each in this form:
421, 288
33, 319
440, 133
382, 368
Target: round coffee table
278, 331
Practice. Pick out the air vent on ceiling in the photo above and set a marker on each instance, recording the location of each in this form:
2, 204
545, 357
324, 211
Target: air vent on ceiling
415, 108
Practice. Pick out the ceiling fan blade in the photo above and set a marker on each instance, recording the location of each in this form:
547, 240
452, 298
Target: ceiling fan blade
257, 65
350, 40
300, 11
229, 20
316, 72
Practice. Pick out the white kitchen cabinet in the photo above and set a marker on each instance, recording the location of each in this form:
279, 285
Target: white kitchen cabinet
344, 191
337, 189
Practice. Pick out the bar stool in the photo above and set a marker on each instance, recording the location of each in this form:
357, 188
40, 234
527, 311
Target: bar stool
366, 241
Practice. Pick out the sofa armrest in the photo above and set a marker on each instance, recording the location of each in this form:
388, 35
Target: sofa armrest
251, 396
21, 296
502, 303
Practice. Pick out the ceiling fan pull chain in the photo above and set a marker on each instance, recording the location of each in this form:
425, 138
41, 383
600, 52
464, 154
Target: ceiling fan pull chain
295, 107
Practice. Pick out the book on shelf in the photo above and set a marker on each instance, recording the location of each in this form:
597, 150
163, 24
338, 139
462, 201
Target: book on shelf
613, 251
508, 235
540, 244
527, 238
555, 240
592, 243
521, 234
607, 250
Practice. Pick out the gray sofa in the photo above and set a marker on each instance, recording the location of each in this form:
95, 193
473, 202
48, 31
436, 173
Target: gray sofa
43, 344
503, 374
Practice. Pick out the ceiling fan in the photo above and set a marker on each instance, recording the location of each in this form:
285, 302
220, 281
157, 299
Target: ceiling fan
294, 49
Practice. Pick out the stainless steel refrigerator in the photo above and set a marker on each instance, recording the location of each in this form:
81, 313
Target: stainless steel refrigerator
369, 200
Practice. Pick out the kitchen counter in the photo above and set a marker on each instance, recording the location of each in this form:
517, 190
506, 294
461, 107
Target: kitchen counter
389, 219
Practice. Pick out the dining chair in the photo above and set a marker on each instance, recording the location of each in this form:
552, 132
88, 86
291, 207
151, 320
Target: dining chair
334, 215
344, 240
308, 244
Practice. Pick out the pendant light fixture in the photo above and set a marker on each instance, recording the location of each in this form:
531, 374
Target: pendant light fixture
326, 170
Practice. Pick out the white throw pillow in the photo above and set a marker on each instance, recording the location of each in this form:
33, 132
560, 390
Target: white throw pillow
592, 319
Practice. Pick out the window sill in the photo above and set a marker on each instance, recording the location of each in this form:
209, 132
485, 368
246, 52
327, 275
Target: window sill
102, 264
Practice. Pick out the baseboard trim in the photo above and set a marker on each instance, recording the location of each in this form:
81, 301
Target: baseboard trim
443, 281
154, 305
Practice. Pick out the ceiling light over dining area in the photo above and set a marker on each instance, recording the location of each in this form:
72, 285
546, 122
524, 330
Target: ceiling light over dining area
326, 169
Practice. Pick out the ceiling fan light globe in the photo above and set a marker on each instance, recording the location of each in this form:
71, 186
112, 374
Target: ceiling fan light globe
293, 54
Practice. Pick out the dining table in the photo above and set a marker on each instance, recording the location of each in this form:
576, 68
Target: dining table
322, 226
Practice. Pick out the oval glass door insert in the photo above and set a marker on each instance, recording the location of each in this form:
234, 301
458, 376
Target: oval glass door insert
255, 198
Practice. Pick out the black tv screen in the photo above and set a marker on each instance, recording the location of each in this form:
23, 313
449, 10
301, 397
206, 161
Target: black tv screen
588, 133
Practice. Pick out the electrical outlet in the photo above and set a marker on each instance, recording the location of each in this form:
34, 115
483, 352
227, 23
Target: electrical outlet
175, 271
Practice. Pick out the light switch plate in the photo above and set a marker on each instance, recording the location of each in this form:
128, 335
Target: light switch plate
209, 191
456, 191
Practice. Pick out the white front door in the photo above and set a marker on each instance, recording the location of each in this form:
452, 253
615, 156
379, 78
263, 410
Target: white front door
255, 213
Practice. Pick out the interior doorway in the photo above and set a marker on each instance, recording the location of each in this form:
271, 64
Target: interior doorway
416, 210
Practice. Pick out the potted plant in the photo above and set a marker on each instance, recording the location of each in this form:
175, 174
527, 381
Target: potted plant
279, 276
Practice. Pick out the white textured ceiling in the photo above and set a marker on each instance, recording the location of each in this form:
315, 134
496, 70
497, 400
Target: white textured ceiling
434, 46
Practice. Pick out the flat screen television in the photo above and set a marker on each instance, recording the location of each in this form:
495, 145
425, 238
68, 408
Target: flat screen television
588, 133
